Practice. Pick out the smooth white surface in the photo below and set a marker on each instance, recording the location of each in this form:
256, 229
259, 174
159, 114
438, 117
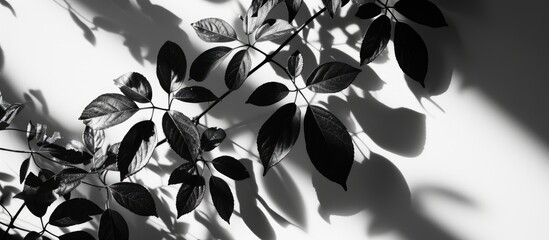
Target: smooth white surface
482, 173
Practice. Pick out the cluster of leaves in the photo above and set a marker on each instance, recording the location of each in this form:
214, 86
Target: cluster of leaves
328, 143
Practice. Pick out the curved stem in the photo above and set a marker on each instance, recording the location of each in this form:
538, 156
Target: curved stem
10, 226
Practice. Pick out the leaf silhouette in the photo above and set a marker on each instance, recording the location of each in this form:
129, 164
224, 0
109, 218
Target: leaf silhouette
184, 174
257, 13
135, 86
77, 235
295, 64
108, 110
88, 34
211, 138
23, 170
112, 226
332, 6
293, 7
331, 77
207, 61
328, 144
182, 134
136, 148
214, 30
368, 10
375, 40
74, 211
278, 135
237, 70
32, 235
273, 29
171, 66
134, 197
422, 12
189, 197
230, 167
411, 52
268, 93
222, 197
194, 94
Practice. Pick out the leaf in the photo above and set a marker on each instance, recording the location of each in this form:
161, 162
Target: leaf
332, 6
182, 134
257, 13
32, 235
207, 61
331, 77
237, 70
328, 144
136, 148
184, 174
73, 212
112, 226
211, 138
31, 131
77, 235
108, 110
375, 40
111, 158
171, 67
10, 114
134, 197
93, 139
23, 170
135, 86
222, 197
273, 29
293, 7
195, 94
268, 93
295, 64
278, 135
189, 197
37, 197
421, 11
68, 155
230, 167
214, 30
68, 179
411, 52
368, 10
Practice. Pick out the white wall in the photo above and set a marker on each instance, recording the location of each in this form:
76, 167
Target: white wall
476, 170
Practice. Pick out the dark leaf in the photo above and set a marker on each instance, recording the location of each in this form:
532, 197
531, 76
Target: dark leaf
108, 110
112, 226
23, 170
195, 94
136, 148
211, 138
278, 135
368, 10
331, 77
273, 29
295, 64
74, 211
32, 235
328, 144
230, 167
68, 179
207, 61
222, 197
376, 39
68, 155
214, 30
332, 6
93, 139
182, 134
293, 7
134, 197
257, 13
36, 196
421, 11
171, 66
10, 114
135, 86
78, 235
411, 52
268, 93
184, 174
189, 197
238, 69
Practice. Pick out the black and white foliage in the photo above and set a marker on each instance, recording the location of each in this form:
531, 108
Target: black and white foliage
327, 141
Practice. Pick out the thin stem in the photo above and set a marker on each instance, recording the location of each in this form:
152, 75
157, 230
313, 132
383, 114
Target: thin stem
93, 185
15, 151
267, 59
155, 107
10, 226
15, 129
7, 211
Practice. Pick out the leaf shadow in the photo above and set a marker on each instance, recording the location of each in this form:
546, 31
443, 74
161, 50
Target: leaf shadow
216, 231
7, 5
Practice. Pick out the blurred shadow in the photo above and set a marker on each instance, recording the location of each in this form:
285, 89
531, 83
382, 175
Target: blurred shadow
215, 230
7, 5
